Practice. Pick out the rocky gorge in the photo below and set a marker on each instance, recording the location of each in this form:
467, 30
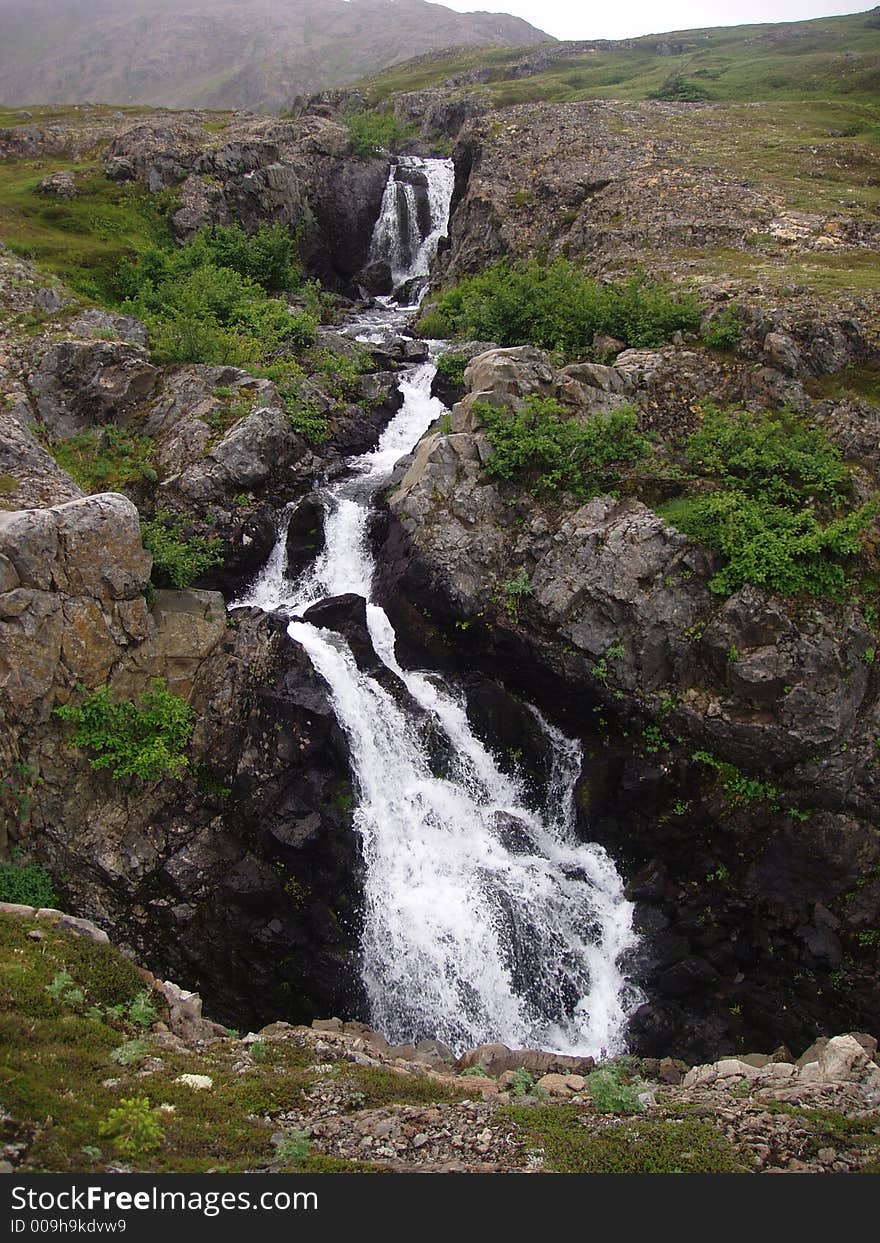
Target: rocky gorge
729, 743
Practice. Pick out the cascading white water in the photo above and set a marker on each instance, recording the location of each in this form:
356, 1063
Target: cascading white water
398, 238
485, 917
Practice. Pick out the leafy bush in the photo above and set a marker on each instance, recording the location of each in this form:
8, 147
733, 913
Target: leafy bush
557, 307
516, 590
679, 88
774, 456
777, 513
522, 1081
178, 559
539, 440
208, 302
610, 1094
146, 742
305, 418
28, 884
132, 1127
130, 1052
108, 459
293, 1148
723, 330
451, 367
373, 131
781, 549
141, 1011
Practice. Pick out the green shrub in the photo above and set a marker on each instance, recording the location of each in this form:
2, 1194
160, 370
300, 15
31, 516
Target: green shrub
28, 884
178, 559
610, 1094
773, 456
778, 512
293, 1148
677, 87
451, 367
723, 330
208, 302
783, 550
541, 442
305, 418
108, 459
146, 742
130, 1052
557, 307
132, 1127
373, 131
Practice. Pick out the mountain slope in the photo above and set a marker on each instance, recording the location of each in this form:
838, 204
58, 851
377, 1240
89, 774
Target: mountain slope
228, 53
828, 57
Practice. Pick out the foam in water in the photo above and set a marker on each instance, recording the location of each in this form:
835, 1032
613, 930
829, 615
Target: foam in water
485, 918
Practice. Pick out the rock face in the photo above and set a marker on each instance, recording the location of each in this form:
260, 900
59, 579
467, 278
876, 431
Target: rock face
296, 173
247, 862
72, 578
607, 181
621, 637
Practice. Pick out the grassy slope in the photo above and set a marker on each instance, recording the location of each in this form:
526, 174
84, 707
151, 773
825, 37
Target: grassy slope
836, 57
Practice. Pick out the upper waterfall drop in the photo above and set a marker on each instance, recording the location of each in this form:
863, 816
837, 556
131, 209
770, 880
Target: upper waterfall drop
414, 216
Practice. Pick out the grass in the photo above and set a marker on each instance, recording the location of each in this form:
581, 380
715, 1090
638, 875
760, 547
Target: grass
575, 1143
853, 383
108, 459
60, 1080
86, 240
829, 57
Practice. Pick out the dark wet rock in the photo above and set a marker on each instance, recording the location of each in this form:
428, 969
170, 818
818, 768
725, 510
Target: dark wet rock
347, 615
377, 278
305, 534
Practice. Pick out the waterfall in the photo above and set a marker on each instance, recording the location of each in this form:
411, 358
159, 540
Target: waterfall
413, 216
486, 918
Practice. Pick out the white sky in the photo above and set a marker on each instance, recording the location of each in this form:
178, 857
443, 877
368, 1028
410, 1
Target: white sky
568, 19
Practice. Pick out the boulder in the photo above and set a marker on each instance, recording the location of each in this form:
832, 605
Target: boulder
305, 534
346, 614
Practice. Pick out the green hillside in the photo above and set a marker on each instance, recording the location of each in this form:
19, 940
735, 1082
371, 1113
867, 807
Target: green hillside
828, 57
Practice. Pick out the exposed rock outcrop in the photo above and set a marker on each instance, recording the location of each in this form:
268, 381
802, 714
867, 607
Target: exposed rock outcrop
620, 635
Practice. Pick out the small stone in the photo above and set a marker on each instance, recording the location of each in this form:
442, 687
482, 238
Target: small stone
36, 934
554, 1085
198, 1083
827, 1155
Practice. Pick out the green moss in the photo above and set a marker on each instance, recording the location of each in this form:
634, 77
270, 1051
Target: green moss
108, 459
377, 1087
575, 1144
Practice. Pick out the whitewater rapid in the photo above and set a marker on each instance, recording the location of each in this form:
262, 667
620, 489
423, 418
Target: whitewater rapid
485, 917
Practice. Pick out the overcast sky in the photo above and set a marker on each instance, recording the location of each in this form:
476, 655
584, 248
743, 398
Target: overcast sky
568, 19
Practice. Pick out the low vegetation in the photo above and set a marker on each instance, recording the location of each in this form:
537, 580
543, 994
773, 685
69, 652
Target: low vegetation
179, 559
209, 302
26, 883
108, 459
566, 1141
376, 130
146, 742
557, 307
542, 445
772, 494
829, 58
